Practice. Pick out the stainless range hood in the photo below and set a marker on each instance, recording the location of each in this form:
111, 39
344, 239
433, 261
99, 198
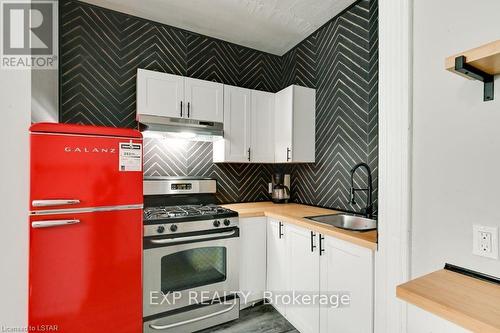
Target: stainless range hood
197, 130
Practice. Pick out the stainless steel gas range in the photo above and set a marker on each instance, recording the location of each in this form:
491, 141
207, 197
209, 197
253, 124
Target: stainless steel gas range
190, 256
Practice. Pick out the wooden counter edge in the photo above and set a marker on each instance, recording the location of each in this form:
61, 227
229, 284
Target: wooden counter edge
443, 311
251, 214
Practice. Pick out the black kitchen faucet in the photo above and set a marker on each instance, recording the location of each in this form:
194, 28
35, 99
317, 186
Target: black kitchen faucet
368, 211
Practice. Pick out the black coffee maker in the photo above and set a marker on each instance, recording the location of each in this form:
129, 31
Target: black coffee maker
281, 188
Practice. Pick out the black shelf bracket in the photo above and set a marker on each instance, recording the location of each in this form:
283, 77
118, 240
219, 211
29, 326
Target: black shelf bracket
473, 274
463, 67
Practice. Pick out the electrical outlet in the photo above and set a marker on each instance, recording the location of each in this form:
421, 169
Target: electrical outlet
485, 241
270, 188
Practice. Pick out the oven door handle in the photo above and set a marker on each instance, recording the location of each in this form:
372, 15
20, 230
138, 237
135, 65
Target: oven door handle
191, 238
181, 323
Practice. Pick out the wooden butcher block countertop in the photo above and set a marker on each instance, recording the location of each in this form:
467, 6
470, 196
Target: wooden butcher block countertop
296, 213
469, 302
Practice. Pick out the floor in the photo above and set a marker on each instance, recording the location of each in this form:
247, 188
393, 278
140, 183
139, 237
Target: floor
258, 319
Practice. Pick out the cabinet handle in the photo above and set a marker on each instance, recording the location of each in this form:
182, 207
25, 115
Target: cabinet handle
279, 230
181, 109
287, 154
313, 238
321, 244
188, 108
248, 154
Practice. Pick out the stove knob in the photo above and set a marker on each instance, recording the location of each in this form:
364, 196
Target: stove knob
216, 223
173, 228
227, 222
161, 229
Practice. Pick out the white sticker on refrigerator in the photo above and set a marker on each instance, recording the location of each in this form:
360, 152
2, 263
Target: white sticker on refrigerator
130, 156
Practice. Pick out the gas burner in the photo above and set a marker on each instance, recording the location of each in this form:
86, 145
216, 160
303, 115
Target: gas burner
172, 212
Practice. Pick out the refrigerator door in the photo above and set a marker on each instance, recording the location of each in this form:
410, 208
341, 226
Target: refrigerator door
81, 170
86, 272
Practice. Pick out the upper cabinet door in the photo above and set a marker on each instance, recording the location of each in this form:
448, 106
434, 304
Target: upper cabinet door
304, 125
237, 124
283, 120
262, 147
204, 100
160, 94
295, 122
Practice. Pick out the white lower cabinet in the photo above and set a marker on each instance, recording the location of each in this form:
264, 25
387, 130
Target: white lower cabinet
303, 277
253, 259
347, 268
295, 264
277, 261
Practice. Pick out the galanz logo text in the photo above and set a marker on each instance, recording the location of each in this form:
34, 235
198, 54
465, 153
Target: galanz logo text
89, 150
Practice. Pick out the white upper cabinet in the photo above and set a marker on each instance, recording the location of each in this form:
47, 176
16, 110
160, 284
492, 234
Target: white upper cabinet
235, 147
295, 125
160, 94
204, 100
248, 127
174, 96
262, 147
259, 127
282, 126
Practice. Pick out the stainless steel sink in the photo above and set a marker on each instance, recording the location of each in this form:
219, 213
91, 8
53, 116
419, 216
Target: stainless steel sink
346, 221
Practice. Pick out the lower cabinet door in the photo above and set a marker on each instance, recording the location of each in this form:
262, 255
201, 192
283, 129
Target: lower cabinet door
253, 259
303, 279
276, 263
346, 269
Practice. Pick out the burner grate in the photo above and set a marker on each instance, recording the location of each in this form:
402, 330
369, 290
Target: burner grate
172, 212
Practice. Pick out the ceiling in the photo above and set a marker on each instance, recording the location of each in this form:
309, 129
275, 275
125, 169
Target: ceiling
273, 26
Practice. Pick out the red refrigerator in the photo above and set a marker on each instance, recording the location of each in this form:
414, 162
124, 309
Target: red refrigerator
85, 268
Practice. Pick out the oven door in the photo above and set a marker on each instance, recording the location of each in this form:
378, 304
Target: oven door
180, 271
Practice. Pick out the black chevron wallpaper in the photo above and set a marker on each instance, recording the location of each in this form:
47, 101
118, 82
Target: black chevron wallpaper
341, 61
101, 50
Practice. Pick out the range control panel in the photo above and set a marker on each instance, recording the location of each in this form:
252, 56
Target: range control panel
193, 226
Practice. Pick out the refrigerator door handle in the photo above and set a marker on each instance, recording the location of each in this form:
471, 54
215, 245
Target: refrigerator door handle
53, 223
55, 202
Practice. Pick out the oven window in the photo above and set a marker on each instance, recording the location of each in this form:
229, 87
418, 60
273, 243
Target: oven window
193, 268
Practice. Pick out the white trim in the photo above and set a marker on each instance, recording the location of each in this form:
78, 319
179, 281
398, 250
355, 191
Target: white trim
392, 261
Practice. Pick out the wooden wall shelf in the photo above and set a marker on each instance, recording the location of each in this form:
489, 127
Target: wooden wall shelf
469, 302
485, 58
481, 63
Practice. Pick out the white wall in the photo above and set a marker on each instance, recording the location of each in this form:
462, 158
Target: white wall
456, 139
15, 97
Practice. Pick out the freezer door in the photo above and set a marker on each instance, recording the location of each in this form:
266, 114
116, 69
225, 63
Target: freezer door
74, 171
85, 272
